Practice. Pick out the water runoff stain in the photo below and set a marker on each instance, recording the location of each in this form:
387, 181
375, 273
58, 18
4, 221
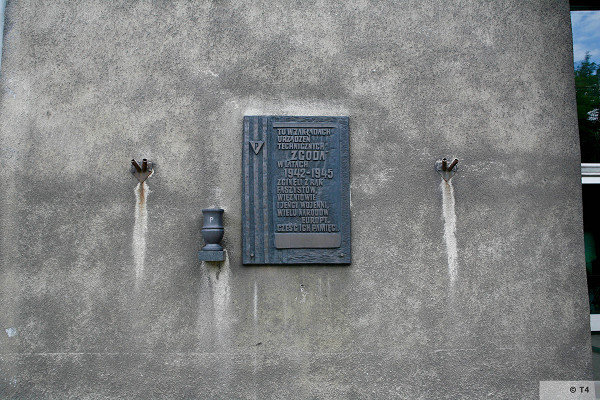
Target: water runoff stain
450, 229
140, 228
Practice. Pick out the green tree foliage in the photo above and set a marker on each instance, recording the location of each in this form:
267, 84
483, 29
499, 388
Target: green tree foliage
588, 105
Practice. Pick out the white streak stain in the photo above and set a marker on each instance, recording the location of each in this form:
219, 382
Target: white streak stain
11, 332
303, 293
255, 303
255, 361
329, 293
218, 197
140, 228
450, 229
219, 281
219, 274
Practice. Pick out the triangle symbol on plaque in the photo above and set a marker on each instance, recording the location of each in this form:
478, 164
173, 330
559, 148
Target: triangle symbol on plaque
256, 146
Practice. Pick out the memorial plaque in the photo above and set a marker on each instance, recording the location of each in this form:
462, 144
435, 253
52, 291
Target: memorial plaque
296, 190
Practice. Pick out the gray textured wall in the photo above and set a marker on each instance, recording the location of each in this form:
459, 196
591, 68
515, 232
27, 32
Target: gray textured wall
94, 306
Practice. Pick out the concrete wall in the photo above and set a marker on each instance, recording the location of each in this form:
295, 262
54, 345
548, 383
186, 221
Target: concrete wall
472, 290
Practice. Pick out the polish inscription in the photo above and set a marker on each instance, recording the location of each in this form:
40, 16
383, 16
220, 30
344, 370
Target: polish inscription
304, 175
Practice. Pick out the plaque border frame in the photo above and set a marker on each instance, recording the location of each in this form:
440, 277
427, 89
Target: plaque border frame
258, 239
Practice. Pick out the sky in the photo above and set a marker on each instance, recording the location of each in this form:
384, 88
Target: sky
586, 34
